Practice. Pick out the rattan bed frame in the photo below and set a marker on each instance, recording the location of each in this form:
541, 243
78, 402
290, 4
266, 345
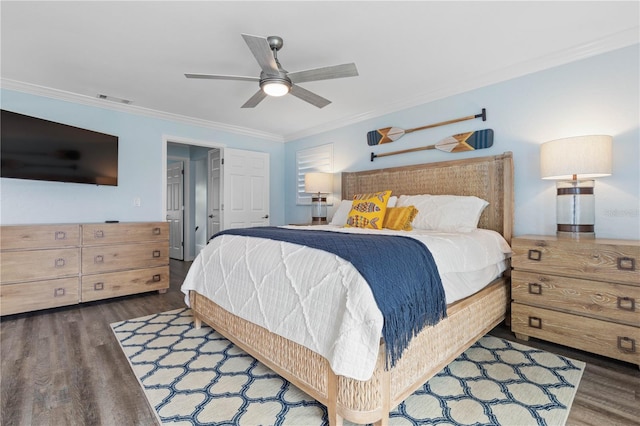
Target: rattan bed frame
490, 178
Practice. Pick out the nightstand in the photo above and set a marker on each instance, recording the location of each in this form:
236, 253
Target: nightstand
580, 293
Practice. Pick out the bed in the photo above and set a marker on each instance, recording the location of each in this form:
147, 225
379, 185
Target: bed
467, 319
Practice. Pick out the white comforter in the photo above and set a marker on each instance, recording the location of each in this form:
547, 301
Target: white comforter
321, 301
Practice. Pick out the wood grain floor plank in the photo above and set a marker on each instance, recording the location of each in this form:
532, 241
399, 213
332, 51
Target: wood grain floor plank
64, 367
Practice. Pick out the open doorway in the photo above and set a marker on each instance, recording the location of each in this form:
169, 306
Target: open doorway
235, 191
194, 190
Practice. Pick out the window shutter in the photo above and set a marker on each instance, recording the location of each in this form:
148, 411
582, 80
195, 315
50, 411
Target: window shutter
316, 159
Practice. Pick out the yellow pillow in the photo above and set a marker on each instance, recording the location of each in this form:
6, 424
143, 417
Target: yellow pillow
368, 210
399, 218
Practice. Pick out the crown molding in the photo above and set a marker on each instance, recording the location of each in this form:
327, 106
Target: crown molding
615, 41
62, 95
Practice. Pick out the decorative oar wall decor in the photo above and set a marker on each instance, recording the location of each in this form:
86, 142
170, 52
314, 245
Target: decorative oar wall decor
390, 134
469, 141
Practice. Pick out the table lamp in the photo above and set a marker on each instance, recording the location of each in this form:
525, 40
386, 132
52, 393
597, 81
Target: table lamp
574, 162
318, 184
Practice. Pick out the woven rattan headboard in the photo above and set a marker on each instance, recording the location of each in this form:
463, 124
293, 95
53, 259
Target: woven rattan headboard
490, 178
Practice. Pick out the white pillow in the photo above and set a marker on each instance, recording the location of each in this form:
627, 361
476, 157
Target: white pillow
342, 213
448, 213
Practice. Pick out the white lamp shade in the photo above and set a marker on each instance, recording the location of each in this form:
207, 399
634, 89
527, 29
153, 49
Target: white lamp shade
321, 183
582, 156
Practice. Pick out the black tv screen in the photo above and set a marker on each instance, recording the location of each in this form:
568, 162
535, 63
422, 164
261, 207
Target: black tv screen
33, 148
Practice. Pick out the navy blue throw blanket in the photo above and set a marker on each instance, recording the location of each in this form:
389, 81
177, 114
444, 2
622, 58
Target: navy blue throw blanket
400, 270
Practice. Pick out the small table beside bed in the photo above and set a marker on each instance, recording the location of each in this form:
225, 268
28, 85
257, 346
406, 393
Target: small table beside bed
309, 315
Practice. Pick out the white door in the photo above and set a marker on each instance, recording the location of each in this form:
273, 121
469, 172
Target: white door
175, 209
246, 188
201, 183
214, 188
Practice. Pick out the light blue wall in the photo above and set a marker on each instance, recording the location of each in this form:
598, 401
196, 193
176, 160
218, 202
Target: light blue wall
599, 95
595, 95
140, 166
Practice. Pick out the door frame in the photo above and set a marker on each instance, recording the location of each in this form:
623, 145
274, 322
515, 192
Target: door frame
188, 225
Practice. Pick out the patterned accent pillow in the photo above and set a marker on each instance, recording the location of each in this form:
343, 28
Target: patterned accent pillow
368, 210
399, 218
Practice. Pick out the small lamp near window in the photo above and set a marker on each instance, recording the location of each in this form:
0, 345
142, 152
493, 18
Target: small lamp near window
574, 162
318, 184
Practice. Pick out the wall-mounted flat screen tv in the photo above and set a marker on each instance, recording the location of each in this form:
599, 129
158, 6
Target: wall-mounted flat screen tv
37, 149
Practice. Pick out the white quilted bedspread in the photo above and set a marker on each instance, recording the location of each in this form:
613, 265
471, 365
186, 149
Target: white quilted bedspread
321, 301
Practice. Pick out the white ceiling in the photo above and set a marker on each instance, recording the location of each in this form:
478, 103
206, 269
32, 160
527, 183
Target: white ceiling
407, 53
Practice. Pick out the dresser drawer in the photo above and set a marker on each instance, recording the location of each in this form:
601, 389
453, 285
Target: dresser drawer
618, 341
39, 236
117, 233
124, 256
614, 302
31, 265
591, 260
113, 284
24, 297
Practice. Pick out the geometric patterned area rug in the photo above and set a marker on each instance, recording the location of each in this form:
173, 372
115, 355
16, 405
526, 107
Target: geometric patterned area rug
196, 377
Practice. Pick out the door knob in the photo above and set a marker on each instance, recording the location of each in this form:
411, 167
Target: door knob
266, 216
211, 216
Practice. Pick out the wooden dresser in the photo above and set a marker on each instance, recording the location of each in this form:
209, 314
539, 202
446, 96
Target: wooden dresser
579, 293
46, 266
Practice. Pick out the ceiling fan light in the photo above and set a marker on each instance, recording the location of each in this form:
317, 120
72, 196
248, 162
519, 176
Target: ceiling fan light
276, 88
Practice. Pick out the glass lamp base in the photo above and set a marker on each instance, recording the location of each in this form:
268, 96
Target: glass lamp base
575, 209
318, 210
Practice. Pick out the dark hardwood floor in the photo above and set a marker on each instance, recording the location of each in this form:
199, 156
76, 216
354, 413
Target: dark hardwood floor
64, 367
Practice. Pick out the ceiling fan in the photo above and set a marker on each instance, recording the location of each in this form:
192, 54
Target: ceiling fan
275, 80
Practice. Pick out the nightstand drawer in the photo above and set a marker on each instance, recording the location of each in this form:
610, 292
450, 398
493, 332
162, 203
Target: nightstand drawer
614, 302
602, 337
583, 259
102, 286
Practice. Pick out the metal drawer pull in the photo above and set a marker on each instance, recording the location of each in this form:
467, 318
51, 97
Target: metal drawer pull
98, 286
60, 262
98, 259
626, 264
626, 344
156, 231
156, 253
535, 255
60, 235
98, 234
627, 303
156, 278
535, 288
58, 292
535, 322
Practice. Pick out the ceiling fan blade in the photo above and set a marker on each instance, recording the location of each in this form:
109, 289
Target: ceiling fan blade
259, 46
222, 77
255, 99
310, 97
325, 73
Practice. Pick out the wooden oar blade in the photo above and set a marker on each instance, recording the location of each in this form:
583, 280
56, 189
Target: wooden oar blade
386, 135
469, 141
